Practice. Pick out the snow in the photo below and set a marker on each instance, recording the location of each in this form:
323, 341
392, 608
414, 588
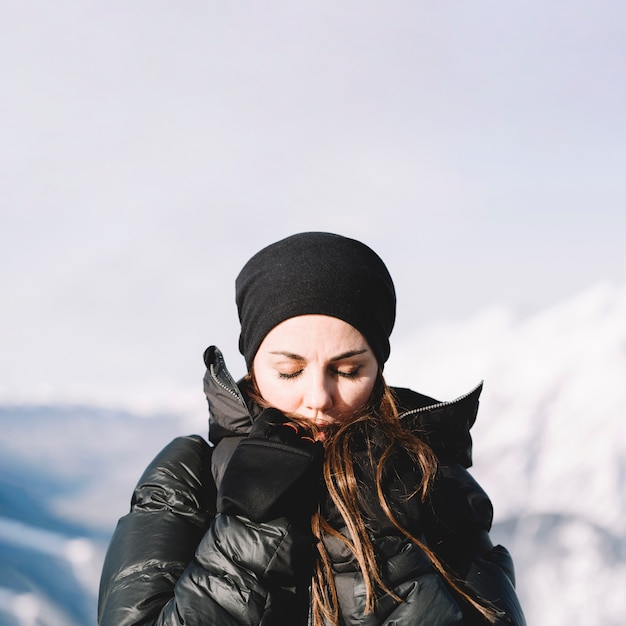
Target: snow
550, 443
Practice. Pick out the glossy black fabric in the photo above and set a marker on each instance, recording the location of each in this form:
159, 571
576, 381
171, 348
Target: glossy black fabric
164, 567
244, 572
171, 509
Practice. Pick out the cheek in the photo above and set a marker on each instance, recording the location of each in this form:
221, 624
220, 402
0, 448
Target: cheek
277, 394
354, 398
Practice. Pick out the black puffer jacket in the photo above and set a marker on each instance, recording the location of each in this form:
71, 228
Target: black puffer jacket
173, 560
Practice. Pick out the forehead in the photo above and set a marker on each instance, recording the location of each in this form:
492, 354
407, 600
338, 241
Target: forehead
317, 334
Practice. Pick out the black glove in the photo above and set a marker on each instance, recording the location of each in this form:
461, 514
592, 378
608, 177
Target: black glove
274, 472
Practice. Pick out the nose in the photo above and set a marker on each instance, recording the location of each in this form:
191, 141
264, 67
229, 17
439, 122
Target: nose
318, 395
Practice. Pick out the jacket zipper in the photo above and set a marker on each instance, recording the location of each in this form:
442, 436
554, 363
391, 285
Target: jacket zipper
440, 405
230, 386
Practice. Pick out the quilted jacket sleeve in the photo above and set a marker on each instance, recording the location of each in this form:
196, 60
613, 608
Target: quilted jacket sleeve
171, 508
171, 561
240, 576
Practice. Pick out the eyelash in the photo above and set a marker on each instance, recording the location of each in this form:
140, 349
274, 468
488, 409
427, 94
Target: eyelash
349, 375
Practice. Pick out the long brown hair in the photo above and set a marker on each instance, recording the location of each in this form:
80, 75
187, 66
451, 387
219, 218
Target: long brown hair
380, 415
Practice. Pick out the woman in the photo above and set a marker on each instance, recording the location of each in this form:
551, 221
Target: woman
327, 497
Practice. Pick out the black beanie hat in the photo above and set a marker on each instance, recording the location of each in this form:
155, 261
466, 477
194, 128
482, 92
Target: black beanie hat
316, 273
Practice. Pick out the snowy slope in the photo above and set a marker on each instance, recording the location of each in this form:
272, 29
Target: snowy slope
550, 448
550, 443
66, 475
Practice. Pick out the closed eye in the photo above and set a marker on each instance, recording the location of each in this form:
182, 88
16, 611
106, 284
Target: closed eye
350, 374
335, 372
289, 375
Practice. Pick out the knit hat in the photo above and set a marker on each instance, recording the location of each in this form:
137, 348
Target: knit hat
316, 273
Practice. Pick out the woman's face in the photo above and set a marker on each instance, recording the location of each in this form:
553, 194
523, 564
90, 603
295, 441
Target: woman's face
317, 367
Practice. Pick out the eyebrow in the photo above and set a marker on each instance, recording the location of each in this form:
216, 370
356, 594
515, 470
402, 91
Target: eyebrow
339, 357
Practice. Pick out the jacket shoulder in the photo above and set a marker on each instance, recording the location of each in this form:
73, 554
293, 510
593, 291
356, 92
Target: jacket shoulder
179, 479
172, 505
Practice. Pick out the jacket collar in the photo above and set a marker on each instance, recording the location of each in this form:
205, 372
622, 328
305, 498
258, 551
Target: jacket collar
445, 426
229, 413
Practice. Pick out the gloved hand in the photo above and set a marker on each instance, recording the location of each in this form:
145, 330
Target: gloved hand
274, 472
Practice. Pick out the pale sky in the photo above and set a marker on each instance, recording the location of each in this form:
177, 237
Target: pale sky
148, 148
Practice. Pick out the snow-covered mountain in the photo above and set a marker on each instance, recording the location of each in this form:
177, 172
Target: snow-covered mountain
550, 443
66, 475
550, 449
